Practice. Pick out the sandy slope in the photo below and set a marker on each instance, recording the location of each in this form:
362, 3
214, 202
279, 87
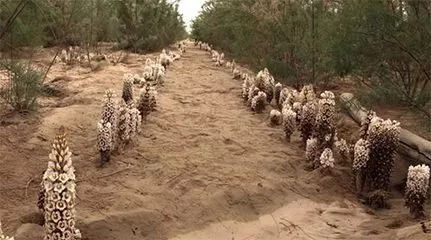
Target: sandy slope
204, 167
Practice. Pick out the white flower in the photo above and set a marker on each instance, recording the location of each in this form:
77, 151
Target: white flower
67, 214
56, 236
49, 206
61, 205
52, 176
59, 187
48, 186
361, 154
62, 225
47, 216
66, 196
77, 234
342, 147
63, 178
54, 196
67, 234
50, 226
327, 158
311, 149
71, 223
55, 216
418, 179
70, 186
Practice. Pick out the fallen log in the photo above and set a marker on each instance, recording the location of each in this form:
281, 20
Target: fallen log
415, 148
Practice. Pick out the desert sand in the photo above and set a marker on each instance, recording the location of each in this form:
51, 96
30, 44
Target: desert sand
204, 167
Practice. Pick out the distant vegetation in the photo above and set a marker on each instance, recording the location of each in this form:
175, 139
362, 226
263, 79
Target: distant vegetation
138, 25
135, 25
382, 44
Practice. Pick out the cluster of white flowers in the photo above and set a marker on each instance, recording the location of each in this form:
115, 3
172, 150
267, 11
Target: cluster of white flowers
127, 89
245, 88
252, 92
2, 236
297, 107
233, 66
307, 120
147, 101
220, 60
342, 148
277, 92
383, 136
165, 59
59, 187
307, 94
325, 119
417, 189
311, 150
384, 132
327, 158
228, 64
258, 102
236, 73
182, 47
108, 126
265, 82
110, 111
289, 122
124, 123
361, 155
204, 46
365, 123
214, 55
153, 72
74, 55
418, 180
283, 96
275, 117
293, 97
104, 137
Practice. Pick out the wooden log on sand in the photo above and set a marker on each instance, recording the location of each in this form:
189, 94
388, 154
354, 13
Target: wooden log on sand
415, 148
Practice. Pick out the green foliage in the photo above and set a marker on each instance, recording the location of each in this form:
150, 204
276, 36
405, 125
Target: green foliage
387, 47
279, 35
148, 25
139, 25
23, 85
384, 44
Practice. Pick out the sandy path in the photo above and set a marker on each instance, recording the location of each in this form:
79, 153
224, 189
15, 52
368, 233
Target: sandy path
204, 167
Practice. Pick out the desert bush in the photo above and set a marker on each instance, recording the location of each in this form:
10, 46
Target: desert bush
23, 85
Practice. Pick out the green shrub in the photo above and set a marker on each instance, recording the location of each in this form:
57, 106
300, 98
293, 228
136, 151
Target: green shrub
23, 85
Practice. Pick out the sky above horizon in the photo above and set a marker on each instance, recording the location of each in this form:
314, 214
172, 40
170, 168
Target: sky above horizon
190, 9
